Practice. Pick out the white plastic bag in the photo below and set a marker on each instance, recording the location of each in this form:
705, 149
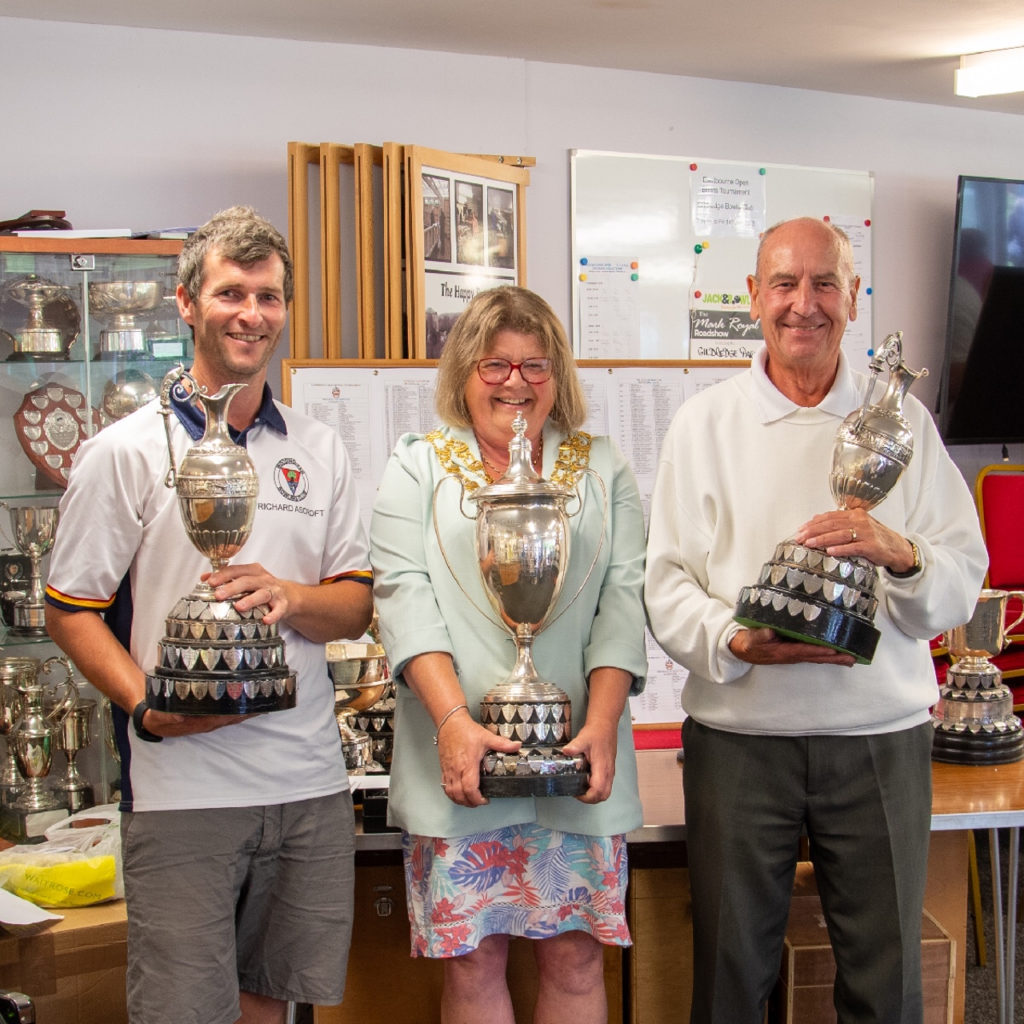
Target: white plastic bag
78, 864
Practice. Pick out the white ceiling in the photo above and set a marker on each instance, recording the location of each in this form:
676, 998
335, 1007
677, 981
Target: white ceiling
893, 49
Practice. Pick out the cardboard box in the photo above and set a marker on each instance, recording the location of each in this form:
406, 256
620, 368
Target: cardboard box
803, 994
73, 970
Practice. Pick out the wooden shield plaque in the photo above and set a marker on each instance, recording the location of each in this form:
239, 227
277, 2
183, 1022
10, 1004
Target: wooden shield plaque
51, 422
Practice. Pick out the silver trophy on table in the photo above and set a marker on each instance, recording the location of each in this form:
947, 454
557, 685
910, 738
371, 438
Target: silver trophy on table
973, 720
35, 529
808, 595
214, 659
522, 547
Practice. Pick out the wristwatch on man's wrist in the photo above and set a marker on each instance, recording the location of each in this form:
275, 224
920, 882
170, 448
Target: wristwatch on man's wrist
138, 713
914, 569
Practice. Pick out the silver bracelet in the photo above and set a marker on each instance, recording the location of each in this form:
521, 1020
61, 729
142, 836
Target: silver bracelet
448, 714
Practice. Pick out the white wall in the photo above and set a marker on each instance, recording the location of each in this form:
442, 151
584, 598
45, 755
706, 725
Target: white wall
150, 128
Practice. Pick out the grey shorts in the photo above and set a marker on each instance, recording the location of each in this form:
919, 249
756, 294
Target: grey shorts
250, 898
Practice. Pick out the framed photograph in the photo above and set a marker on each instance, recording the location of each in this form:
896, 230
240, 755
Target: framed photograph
467, 232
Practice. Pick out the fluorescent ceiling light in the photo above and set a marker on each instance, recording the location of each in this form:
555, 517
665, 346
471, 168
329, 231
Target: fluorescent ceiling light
987, 74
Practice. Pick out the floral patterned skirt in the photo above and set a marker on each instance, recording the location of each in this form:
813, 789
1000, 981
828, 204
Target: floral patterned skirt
521, 880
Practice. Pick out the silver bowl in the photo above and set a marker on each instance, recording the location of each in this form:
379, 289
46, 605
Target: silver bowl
127, 391
117, 298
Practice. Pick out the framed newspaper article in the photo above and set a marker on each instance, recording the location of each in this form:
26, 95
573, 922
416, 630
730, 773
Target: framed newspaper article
467, 232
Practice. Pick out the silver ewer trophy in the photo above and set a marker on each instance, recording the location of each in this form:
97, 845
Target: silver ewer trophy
808, 595
35, 529
522, 548
973, 720
214, 659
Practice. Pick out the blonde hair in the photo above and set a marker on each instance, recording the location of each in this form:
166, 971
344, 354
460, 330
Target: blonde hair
508, 308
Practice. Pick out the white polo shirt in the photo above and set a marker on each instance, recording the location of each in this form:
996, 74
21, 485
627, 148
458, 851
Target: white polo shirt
119, 520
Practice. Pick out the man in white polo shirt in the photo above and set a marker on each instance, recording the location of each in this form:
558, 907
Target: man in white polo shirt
237, 830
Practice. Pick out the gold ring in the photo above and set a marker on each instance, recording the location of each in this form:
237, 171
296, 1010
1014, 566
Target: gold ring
853, 536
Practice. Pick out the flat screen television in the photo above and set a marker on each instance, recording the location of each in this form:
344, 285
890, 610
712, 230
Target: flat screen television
982, 385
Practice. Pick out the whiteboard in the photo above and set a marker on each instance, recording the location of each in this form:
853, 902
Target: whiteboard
662, 246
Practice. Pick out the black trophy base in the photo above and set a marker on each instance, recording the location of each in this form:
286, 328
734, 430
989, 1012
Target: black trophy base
977, 748
534, 771
832, 627
252, 694
568, 784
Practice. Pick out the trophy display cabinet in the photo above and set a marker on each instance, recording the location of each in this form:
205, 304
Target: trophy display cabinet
88, 327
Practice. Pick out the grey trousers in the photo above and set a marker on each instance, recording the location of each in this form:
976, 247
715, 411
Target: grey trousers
865, 804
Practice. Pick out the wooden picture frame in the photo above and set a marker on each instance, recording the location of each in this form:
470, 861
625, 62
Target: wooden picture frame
300, 156
466, 218
333, 156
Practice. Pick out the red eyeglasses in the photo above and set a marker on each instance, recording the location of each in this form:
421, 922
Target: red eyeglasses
497, 371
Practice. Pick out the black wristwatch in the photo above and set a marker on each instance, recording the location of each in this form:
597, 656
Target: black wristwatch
140, 730
913, 570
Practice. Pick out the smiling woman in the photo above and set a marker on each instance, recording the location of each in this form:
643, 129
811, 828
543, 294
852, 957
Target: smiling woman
479, 871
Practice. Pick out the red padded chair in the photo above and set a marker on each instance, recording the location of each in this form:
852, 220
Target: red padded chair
999, 493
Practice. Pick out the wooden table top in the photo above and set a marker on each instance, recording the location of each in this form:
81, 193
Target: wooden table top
963, 796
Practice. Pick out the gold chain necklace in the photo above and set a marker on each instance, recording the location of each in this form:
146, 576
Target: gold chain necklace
457, 458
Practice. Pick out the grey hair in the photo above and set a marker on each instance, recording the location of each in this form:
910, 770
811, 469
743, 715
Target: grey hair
840, 238
239, 234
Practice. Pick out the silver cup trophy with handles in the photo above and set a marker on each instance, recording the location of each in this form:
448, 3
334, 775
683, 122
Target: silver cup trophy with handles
214, 659
39, 711
522, 548
973, 720
45, 333
808, 595
361, 677
119, 302
74, 736
12, 670
35, 529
